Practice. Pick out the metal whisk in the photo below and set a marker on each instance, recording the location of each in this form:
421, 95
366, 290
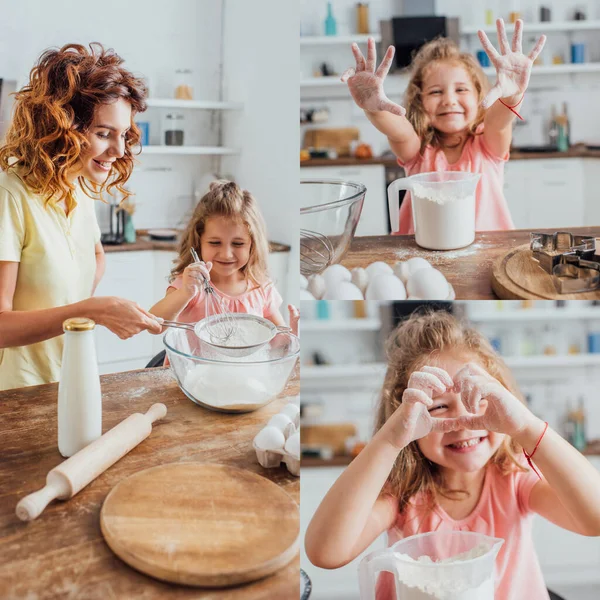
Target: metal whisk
316, 252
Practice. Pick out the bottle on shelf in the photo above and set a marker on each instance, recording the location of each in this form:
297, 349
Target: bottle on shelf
330, 22
362, 18
553, 128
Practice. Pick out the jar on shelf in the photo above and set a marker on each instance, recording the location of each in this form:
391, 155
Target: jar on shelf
174, 129
183, 85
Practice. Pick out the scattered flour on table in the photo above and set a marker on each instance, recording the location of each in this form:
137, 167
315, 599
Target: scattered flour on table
438, 584
437, 256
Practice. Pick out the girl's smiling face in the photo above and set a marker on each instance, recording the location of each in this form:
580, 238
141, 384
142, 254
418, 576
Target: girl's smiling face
462, 450
449, 97
106, 138
226, 243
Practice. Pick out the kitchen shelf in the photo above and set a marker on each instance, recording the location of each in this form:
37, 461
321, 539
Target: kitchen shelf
343, 371
546, 27
322, 81
207, 150
193, 104
325, 40
557, 69
566, 360
342, 325
560, 314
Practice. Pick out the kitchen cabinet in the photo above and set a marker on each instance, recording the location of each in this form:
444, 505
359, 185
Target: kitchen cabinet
548, 192
334, 584
374, 216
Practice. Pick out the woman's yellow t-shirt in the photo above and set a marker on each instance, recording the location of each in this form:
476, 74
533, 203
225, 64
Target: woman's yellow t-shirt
57, 265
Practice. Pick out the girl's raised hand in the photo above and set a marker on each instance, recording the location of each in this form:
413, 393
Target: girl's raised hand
194, 275
412, 420
503, 412
294, 318
366, 83
513, 68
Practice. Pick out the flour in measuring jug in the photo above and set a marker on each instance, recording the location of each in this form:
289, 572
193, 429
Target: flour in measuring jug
443, 220
446, 584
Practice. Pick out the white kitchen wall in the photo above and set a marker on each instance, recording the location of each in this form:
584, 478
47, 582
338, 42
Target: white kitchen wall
261, 58
579, 91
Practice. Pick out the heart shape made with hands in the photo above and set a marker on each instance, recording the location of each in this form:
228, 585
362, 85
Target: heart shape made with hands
503, 413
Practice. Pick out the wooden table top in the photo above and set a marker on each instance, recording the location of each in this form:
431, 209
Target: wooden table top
62, 553
468, 269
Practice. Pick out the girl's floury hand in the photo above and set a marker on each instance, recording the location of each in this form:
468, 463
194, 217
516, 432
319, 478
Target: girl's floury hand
194, 276
366, 84
513, 68
479, 390
412, 420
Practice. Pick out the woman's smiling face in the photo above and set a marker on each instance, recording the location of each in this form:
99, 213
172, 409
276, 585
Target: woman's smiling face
106, 138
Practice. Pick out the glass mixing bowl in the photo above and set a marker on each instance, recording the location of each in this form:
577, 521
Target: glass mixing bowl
228, 383
329, 213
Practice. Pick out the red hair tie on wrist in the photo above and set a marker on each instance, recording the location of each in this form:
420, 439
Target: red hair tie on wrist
512, 108
530, 456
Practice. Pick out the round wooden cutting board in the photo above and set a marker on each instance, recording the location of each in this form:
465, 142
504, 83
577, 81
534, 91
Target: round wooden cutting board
517, 276
201, 524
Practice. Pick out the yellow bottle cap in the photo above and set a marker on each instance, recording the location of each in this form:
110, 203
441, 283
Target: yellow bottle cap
78, 324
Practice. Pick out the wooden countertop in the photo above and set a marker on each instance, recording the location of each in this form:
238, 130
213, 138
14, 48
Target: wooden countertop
468, 269
143, 242
577, 151
62, 553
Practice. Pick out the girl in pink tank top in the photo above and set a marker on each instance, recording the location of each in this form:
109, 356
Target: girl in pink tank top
448, 454
451, 121
228, 233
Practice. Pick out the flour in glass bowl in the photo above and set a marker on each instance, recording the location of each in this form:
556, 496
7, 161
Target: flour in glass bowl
245, 333
443, 220
444, 585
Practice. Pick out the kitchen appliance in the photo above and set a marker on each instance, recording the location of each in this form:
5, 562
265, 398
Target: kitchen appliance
201, 524
443, 208
329, 213
458, 564
408, 34
7, 88
116, 232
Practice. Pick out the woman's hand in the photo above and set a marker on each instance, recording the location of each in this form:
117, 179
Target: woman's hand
123, 317
194, 276
366, 84
294, 318
503, 412
513, 68
412, 420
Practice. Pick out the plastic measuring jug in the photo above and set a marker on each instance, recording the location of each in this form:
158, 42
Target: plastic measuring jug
443, 565
443, 208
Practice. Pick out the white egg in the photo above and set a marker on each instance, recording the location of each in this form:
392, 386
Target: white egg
402, 270
303, 282
428, 284
316, 286
281, 421
293, 445
385, 287
360, 278
416, 262
270, 438
334, 274
306, 295
378, 268
291, 410
343, 290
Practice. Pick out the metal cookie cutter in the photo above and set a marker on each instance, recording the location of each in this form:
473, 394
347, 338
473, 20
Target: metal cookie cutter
572, 260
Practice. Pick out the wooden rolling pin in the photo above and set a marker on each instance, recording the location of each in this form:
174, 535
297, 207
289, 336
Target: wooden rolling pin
68, 478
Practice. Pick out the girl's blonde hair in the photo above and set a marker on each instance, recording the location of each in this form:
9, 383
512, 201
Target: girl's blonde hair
54, 112
416, 341
440, 50
227, 199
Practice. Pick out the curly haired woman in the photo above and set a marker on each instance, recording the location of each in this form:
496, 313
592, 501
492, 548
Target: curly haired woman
71, 138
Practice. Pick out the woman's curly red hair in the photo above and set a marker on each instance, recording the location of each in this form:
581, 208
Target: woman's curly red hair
54, 111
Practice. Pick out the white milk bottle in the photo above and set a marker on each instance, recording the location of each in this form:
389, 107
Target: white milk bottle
79, 396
